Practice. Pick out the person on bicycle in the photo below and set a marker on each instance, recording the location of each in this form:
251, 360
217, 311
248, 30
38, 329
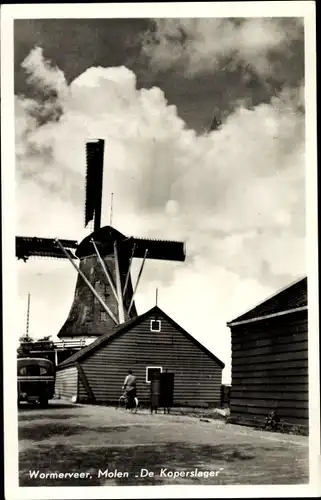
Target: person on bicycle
130, 388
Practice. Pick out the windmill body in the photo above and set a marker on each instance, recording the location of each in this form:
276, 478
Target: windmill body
87, 317
104, 293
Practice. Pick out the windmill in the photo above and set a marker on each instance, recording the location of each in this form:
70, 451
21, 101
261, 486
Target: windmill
104, 294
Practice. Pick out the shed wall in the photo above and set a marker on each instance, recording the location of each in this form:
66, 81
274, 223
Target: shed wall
197, 376
66, 384
270, 370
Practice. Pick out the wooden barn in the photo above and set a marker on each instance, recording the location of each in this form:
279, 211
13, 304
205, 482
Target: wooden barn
270, 360
150, 342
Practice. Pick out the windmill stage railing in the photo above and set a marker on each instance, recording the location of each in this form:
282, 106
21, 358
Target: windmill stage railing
52, 348
59, 345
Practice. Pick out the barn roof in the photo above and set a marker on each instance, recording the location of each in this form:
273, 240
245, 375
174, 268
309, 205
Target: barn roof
125, 327
289, 299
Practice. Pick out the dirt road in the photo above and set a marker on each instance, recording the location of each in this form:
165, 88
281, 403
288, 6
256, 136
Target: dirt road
75, 445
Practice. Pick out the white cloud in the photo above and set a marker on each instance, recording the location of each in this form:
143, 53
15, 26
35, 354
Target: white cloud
41, 73
236, 196
200, 45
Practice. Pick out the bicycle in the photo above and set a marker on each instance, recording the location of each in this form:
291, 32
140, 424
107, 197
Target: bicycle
125, 403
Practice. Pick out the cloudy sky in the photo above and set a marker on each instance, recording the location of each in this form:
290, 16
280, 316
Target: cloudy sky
150, 88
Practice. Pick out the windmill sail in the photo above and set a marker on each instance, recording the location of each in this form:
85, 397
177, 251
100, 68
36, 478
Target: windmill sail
42, 247
94, 181
159, 249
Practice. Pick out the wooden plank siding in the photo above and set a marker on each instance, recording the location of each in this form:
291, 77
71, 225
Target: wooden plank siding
270, 370
197, 376
66, 384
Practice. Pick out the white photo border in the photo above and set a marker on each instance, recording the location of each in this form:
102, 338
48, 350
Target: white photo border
9, 13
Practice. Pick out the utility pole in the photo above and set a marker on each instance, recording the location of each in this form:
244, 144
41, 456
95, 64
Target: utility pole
111, 209
28, 316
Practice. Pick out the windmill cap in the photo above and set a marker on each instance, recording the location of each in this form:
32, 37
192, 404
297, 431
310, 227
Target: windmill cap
105, 236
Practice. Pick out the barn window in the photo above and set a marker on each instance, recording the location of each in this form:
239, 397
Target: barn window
150, 370
155, 325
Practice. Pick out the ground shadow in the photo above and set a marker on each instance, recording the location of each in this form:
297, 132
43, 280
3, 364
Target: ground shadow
50, 407
51, 429
22, 417
46, 431
173, 456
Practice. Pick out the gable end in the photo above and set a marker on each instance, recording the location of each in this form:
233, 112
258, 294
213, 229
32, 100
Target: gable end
125, 327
